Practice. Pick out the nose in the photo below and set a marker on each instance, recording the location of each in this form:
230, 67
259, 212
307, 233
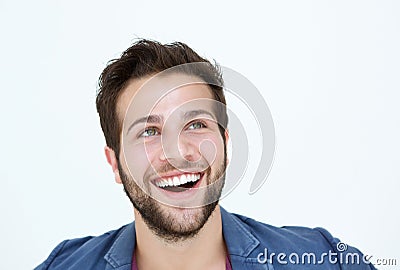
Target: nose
178, 147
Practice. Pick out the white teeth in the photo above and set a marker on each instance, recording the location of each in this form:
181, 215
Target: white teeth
176, 181
183, 179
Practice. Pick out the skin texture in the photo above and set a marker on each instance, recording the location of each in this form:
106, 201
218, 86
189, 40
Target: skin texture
177, 226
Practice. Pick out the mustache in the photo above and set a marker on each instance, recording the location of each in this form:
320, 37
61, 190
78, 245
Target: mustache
183, 166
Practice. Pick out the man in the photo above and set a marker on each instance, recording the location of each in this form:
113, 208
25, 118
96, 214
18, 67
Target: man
162, 111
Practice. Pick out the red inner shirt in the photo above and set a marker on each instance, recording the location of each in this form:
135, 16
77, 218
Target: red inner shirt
134, 266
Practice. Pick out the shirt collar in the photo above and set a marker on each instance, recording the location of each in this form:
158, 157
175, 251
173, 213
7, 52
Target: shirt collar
239, 241
120, 253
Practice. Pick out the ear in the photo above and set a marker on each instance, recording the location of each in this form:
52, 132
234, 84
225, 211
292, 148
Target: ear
112, 160
227, 142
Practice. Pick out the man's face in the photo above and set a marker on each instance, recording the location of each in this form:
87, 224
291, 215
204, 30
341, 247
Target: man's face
173, 157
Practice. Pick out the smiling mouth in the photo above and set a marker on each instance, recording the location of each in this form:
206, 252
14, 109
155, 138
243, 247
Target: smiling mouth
179, 183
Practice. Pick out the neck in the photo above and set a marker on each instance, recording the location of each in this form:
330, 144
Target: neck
206, 250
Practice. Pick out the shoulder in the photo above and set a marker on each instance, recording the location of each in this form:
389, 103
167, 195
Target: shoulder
88, 251
287, 236
301, 245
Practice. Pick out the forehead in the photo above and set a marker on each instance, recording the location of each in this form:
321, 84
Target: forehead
161, 94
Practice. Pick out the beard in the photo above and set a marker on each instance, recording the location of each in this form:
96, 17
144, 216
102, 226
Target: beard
170, 223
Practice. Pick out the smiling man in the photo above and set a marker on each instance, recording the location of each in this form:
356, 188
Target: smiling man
162, 111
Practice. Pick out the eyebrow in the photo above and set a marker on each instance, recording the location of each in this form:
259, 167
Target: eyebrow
154, 118
192, 114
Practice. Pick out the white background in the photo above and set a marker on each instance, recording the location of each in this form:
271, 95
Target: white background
329, 71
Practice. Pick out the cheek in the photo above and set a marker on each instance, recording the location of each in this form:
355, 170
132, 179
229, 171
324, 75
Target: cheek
138, 160
212, 149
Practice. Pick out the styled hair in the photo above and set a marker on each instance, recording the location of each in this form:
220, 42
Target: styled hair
147, 57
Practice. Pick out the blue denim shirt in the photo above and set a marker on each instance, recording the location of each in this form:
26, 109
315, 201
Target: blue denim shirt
251, 245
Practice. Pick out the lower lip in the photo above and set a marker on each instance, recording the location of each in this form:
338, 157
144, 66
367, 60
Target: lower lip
188, 193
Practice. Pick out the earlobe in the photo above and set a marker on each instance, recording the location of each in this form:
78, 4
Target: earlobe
112, 160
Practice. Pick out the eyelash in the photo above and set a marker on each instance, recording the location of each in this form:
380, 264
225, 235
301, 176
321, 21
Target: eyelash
203, 125
146, 130
197, 122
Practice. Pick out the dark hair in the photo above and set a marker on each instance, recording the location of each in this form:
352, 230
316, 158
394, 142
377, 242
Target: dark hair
147, 57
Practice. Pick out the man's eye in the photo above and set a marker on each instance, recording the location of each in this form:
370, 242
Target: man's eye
148, 132
196, 125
